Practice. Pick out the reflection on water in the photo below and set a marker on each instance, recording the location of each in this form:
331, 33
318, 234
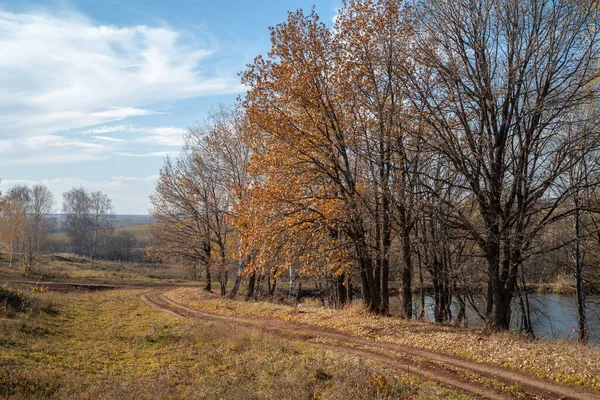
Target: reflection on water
553, 316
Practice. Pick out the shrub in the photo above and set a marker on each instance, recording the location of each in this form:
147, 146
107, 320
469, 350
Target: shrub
18, 301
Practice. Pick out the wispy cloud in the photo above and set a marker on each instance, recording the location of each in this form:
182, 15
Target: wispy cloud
107, 139
151, 154
41, 142
158, 136
51, 150
64, 72
118, 113
151, 178
104, 129
163, 136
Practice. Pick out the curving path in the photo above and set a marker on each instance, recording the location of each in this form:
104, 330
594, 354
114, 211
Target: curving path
462, 375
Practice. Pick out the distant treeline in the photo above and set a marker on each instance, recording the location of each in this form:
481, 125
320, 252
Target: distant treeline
87, 226
119, 221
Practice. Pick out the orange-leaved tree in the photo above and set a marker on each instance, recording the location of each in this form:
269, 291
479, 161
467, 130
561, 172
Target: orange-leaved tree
325, 117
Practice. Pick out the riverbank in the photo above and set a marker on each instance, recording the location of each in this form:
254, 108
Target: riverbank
560, 286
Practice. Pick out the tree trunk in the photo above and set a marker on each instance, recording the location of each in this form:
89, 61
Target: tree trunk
406, 276
492, 255
422, 287
341, 290
94, 239
292, 274
350, 294
370, 286
582, 333
525, 308
208, 286
223, 278
462, 311
207, 263
236, 286
251, 284
385, 262
273, 288
242, 263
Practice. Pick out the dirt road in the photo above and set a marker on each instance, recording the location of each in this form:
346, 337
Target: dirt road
478, 379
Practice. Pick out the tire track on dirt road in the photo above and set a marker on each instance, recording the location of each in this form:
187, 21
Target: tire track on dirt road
448, 370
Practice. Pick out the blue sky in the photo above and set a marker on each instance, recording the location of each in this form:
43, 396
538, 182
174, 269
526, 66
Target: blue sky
97, 93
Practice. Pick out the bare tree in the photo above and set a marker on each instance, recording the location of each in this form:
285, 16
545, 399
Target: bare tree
76, 206
42, 204
179, 232
101, 216
88, 215
496, 81
222, 156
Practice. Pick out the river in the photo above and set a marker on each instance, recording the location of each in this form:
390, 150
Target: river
553, 316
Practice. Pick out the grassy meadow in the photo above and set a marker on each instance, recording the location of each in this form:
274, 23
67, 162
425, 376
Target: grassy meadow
60, 340
108, 345
70, 268
140, 231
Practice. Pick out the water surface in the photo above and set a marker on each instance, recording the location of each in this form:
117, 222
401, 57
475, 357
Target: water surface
553, 316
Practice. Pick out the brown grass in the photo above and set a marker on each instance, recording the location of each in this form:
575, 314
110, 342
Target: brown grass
107, 345
558, 360
78, 269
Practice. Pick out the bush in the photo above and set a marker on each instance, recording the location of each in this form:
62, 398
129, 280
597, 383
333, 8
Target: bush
17, 301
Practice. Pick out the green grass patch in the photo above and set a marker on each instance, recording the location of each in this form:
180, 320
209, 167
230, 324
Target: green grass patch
140, 231
70, 268
109, 345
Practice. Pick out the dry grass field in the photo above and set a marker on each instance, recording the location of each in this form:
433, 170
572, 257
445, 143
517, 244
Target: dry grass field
108, 345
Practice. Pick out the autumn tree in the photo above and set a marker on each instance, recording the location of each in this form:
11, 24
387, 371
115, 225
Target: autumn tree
329, 122
450, 136
304, 162
13, 224
27, 221
373, 38
220, 147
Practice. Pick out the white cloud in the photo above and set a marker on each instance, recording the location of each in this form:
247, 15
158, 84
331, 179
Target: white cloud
63, 72
159, 136
123, 112
5, 145
41, 142
151, 154
107, 139
52, 150
163, 136
99, 130
151, 178
54, 158
83, 145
